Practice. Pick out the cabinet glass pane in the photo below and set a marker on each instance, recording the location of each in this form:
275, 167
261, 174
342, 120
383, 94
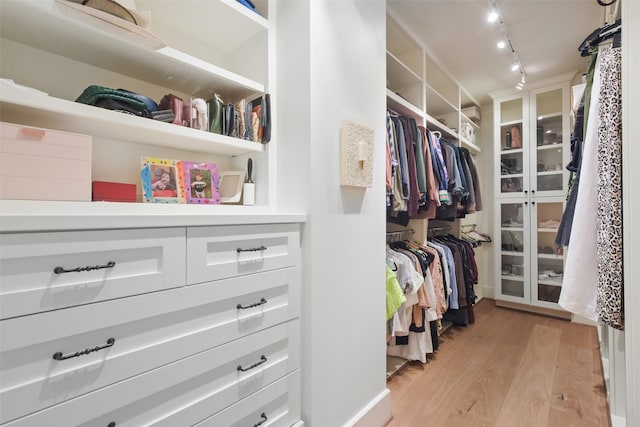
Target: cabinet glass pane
511, 111
550, 260
511, 158
549, 144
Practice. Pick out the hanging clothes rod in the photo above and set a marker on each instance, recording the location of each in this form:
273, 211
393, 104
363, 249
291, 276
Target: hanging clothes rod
399, 235
431, 231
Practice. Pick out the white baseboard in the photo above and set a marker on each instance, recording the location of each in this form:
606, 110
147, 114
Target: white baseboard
583, 320
488, 292
376, 413
617, 421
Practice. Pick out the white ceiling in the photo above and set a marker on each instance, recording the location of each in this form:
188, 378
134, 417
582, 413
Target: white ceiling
545, 35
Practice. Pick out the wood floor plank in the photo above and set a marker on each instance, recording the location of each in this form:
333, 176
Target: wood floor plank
506, 370
529, 398
579, 395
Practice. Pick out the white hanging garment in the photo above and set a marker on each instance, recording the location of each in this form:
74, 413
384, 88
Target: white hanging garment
578, 294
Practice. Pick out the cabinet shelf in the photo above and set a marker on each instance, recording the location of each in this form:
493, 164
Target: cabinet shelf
468, 120
549, 116
46, 111
512, 151
513, 175
399, 74
550, 283
551, 256
437, 104
511, 122
549, 147
511, 253
434, 123
547, 230
470, 145
547, 173
512, 228
513, 278
401, 106
77, 36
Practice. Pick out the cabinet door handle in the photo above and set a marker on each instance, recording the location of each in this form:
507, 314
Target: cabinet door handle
263, 419
60, 270
533, 191
60, 356
255, 304
526, 192
111, 424
526, 203
262, 360
261, 248
533, 203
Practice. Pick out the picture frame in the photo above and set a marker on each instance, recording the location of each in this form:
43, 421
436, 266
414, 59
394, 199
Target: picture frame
200, 182
161, 181
231, 183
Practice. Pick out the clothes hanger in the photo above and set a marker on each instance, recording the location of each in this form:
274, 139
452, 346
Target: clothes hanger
601, 34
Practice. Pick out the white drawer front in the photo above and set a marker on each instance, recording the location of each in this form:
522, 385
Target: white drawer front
275, 406
149, 331
145, 261
218, 252
187, 391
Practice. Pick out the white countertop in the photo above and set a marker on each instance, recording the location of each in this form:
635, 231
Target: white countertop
20, 216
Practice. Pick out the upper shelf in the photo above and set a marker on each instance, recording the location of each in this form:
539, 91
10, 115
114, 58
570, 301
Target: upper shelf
402, 106
52, 26
239, 23
41, 110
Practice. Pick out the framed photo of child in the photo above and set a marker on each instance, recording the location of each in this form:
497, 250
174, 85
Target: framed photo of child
201, 182
161, 181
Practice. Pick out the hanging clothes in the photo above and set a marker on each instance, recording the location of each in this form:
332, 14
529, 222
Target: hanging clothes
609, 302
578, 293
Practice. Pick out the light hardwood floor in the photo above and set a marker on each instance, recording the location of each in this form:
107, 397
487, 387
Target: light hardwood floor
509, 369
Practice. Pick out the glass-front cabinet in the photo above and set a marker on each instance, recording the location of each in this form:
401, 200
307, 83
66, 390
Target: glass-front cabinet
549, 122
514, 249
530, 267
532, 135
513, 146
532, 149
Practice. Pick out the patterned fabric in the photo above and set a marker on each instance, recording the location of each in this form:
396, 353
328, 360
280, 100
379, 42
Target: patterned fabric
609, 298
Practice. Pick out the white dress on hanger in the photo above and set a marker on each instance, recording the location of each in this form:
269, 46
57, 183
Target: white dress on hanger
578, 294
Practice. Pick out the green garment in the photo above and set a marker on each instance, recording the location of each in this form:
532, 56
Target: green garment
395, 296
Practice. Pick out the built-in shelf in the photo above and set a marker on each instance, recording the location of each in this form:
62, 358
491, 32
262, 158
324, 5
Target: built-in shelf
512, 151
399, 74
37, 109
515, 175
434, 124
557, 146
547, 230
512, 228
401, 106
77, 34
470, 145
511, 253
550, 283
546, 173
550, 116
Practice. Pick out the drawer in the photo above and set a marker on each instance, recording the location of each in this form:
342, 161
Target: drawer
218, 252
150, 331
277, 405
144, 261
186, 391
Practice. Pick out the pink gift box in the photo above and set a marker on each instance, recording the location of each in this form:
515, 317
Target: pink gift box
44, 164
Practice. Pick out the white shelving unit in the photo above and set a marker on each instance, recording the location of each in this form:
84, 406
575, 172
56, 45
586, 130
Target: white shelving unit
58, 51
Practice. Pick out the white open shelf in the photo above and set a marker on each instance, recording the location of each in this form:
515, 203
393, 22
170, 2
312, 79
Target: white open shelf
399, 74
45, 111
131, 54
400, 105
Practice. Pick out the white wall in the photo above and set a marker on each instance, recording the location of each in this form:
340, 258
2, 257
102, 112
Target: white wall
332, 68
631, 205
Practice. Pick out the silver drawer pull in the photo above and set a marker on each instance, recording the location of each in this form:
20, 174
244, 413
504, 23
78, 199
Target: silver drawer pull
60, 270
263, 359
60, 356
262, 420
244, 307
261, 248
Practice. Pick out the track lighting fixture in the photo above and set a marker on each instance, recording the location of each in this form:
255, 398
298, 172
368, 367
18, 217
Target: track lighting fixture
505, 40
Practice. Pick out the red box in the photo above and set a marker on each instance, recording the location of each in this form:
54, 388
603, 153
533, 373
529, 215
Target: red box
113, 192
